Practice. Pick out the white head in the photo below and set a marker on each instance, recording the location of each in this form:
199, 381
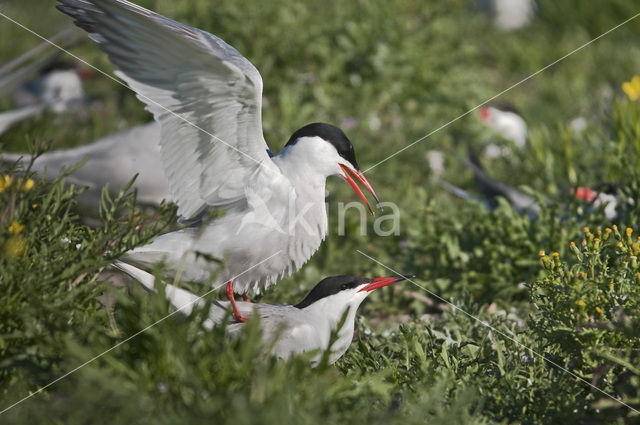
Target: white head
506, 122
327, 151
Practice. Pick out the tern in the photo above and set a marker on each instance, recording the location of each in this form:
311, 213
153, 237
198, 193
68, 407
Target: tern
608, 196
112, 160
208, 99
504, 119
57, 89
299, 328
510, 15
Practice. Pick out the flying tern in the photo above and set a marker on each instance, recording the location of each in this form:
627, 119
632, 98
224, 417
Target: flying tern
299, 328
208, 99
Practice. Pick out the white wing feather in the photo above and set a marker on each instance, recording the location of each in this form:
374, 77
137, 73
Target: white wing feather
207, 96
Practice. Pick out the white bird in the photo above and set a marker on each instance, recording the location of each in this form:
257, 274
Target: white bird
57, 90
509, 15
505, 121
113, 160
61, 89
607, 196
289, 329
208, 99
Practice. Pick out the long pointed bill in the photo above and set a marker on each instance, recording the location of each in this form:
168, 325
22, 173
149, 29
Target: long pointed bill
362, 179
379, 282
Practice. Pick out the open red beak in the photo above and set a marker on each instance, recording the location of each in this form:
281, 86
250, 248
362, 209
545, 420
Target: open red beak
362, 179
379, 282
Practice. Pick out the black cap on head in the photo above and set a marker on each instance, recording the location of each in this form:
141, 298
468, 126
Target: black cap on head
330, 286
331, 134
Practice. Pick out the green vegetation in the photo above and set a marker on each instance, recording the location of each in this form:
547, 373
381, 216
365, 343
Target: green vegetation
396, 71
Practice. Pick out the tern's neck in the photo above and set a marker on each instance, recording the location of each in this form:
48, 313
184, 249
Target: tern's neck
332, 312
302, 169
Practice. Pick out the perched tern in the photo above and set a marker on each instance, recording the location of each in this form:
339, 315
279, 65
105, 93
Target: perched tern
113, 160
208, 99
509, 15
503, 119
299, 328
57, 90
606, 195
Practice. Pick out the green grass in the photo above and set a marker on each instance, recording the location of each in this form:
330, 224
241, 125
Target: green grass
412, 66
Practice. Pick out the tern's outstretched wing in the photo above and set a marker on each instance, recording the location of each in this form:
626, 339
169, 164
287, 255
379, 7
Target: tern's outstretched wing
207, 96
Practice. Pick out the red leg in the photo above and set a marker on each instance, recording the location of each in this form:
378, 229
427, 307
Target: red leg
239, 317
245, 298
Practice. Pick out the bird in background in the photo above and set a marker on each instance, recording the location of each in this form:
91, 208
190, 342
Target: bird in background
509, 15
491, 190
503, 119
608, 196
605, 196
288, 329
208, 100
43, 83
112, 161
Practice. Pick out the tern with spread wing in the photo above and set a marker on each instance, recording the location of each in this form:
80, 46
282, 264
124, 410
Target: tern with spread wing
290, 329
208, 99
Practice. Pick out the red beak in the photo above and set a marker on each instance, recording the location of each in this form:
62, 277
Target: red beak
379, 282
362, 179
484, 113
85, 73
585, 194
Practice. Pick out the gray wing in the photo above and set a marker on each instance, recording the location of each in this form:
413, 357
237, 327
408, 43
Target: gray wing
284, 325
207, 96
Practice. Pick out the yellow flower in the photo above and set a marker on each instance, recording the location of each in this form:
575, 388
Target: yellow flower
28, 185
599, 310
611, 285
629, 231
34, 206
541, 253
586, 229
544, 258
15, 246
5, 182
632, 88
556, 255
608, 230
583, 275
614, 227
581, 303
16, 228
